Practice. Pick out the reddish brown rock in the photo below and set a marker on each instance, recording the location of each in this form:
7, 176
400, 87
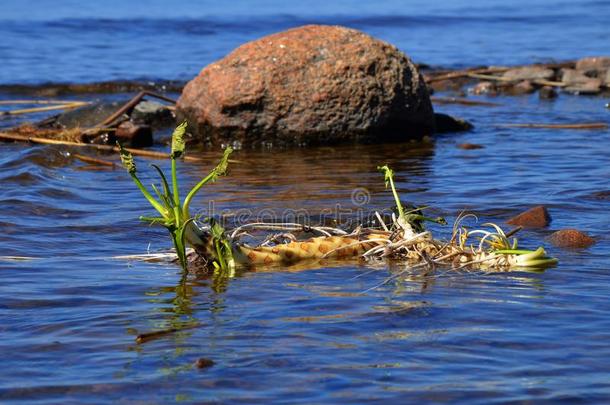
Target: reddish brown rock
470, 146
593, 63
537, 217
312, 84
571, 238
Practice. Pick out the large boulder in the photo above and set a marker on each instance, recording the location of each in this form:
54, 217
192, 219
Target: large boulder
312, 84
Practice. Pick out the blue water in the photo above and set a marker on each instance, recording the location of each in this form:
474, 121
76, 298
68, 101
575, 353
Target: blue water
78, 41
70, 316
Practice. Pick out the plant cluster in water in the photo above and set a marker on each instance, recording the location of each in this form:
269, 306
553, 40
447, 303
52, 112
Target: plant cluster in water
405, 238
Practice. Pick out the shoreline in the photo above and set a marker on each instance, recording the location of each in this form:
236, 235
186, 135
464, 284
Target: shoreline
438, 79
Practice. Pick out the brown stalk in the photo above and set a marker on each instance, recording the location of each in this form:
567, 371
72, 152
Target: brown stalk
110, 148
463, 101
587, 125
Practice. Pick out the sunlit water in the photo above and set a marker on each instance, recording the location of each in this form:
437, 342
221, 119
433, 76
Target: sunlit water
69, 318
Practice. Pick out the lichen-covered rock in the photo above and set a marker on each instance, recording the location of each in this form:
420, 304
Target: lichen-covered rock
571, 238
312, 84
537, 217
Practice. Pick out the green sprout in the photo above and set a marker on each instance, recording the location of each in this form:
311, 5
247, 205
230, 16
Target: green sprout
174, 215
413, 217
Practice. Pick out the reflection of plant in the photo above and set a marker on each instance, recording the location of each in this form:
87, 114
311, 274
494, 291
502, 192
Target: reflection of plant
174, 215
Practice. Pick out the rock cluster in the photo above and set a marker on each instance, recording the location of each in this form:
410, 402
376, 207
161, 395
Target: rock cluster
312, 84
585, 76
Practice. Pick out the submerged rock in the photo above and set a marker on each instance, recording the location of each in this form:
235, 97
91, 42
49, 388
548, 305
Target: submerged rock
312, 84
87, 116
523, 87
571, 238
134, 135
470, 146
547, 93
446, 123
537, 217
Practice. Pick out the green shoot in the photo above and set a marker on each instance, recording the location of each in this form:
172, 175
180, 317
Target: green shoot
413, 217
530, 258
388, 175
174, 215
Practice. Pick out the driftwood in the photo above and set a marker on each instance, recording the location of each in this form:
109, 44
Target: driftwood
436, 77
462, 101
109, 148
40, 102
464, 73
92, 160
587, 125
125, 108
53, 107
541, 82
147, 337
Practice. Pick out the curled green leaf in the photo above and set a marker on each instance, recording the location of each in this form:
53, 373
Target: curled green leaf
178, 143
127, 159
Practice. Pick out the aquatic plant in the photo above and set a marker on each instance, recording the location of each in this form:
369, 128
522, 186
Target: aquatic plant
405, 239
175, 215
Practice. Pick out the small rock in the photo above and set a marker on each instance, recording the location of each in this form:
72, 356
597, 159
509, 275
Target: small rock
485, 88
470, 146
523, 87
529, 73
134, 135
447, 85
591, 86
547, 93
152, 113
446, 123
202, 362
593, 63
572, 76
537, 217
571, 238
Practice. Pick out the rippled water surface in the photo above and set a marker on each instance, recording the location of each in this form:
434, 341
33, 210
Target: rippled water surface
70, 316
